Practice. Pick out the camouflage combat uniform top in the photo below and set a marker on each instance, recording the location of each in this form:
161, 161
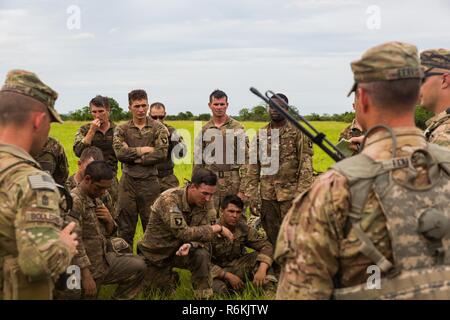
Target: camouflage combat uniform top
166, 168
153, 134
352, 130
173, 222
295, 171
317, 245
30, 220
92, 237
103, 141
52, 159
226, 182
438, 129
224, 252
71, 184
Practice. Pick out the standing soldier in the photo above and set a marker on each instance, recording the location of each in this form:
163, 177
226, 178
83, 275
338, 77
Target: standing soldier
139, 144
166, 176
294, 175
34, 250
182, 223
99, 133
228, 168
435, 94
382, 212
52, 158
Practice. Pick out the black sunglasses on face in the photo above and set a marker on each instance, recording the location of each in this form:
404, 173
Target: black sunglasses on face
429, 74
157, 117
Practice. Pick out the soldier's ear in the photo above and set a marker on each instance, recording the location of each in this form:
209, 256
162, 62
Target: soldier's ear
39, 119
445, 81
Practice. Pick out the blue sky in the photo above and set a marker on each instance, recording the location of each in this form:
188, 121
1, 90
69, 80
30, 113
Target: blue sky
179, 51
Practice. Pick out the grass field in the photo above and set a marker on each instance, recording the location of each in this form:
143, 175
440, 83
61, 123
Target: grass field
66, 134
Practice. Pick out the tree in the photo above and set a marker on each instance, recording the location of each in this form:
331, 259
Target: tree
422, 115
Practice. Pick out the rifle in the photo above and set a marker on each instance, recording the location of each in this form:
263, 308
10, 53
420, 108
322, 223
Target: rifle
319, 138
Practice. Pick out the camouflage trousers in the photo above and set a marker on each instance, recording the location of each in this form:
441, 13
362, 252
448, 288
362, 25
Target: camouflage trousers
272, 214
167, 182
135, 198
114, 192
126, 270
166, 280
243, 267
227, 184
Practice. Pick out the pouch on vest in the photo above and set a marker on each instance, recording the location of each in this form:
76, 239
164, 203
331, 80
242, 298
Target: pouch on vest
17, 286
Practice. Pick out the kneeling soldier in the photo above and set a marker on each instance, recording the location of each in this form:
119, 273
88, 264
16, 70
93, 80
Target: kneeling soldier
102, 260
231, 261
179, 217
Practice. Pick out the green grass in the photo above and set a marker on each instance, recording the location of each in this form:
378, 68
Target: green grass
66, 134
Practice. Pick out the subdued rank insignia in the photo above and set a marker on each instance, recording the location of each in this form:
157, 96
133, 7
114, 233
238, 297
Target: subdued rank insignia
44, 200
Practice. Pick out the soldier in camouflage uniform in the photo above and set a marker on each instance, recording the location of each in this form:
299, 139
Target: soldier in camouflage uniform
34, 250
294, 174
140, 144
99, 133
182, 222
52, 159
225, 162
352, 130
89, 155
435, 94
177, 148
377, 211
98, 257
232, 264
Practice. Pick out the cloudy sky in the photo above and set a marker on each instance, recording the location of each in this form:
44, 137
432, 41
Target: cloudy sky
179, 51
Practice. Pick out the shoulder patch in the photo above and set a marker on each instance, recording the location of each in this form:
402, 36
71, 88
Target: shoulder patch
38, 182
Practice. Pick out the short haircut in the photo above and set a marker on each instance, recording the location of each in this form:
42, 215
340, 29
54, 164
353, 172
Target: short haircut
401, 93
91, 152
137, 94
233, 199
16, 108
99, 170
205, 176
217, 94
157, 105
100, 102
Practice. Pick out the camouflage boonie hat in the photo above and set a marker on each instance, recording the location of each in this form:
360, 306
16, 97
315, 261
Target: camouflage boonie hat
435, 58
28, 83
387, 61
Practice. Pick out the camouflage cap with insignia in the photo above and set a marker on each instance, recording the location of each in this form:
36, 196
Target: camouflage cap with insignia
387, 61
28, 83
435, 58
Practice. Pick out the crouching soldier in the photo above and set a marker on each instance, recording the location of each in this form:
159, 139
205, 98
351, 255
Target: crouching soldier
182, 221
232, 264
102, 260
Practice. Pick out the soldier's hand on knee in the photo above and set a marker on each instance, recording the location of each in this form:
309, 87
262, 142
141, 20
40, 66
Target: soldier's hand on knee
184, 249
68, 237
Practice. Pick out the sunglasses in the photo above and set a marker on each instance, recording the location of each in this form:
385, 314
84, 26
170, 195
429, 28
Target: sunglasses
430, 74
158, 117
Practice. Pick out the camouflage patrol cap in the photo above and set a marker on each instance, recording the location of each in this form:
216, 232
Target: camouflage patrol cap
28, 83
435, 58
387, 61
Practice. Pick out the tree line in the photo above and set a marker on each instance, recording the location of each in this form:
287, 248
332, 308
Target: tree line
256, 113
